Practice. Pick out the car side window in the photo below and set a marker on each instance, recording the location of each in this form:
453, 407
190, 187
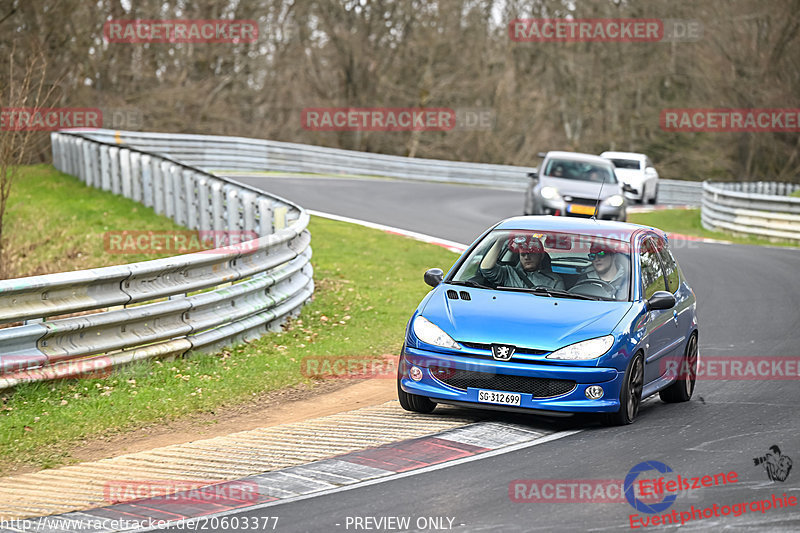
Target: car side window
670, 267
652, 271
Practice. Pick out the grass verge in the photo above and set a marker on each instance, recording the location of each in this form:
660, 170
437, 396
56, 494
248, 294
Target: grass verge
56, 223
368, 283
687, 222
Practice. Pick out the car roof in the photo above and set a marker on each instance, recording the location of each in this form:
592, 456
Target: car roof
626, 155
576, 156
620, 230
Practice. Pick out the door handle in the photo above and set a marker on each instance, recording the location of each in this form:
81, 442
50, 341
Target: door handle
675, 317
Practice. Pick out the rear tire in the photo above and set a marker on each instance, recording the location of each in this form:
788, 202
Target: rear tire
630, 397
682, 389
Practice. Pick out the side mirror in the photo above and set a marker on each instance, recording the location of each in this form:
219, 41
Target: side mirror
534, 175
660, 300
650, 171
627, 188
541, 154
434, 276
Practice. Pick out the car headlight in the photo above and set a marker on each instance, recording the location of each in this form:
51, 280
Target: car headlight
549, 193
615, 201
580, 351
428, 332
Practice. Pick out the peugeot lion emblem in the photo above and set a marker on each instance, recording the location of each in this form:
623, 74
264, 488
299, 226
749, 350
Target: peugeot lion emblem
502, 352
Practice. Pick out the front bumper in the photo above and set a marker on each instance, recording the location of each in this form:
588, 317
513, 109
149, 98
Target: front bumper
636, 195
563, 208
574, 401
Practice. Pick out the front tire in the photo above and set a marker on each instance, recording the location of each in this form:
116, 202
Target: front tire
414, 403
630, 398
408, 401
682, 389
653, 198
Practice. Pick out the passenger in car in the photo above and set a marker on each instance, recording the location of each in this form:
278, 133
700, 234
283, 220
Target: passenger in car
609, 266
533, 269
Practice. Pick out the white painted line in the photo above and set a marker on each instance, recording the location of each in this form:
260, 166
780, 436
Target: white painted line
450, 245
181, 524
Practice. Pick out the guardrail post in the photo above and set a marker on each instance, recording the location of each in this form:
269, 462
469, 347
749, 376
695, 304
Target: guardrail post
265, 217
179, 195
169, 171
86, 161
113, 156
159, 177
217, 207
190, 180
136, 176
95, 179
55, 143
204, 208
125, 173
148, 166
249, 211
279, 216
232, 208
105, 168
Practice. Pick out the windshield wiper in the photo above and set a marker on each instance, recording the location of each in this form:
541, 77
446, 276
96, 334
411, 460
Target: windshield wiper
541, 290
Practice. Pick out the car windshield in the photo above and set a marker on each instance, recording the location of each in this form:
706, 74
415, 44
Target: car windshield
550, 264
579, 170
627, 163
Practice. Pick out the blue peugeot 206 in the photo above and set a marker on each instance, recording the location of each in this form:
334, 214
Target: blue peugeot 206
555, 316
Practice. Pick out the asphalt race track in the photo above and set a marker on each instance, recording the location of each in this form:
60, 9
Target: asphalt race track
748, 306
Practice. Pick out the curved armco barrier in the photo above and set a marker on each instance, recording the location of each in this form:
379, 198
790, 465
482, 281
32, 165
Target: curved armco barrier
755, 208
194, 302
239, 153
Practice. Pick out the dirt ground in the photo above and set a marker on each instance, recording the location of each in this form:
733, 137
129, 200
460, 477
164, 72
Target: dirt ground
278, 407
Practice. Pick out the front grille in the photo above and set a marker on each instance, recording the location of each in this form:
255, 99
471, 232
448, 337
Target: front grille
585, 201
519, 350
537, 387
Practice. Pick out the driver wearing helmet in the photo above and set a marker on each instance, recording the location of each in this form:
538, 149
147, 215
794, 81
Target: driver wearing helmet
531, 271
610, 267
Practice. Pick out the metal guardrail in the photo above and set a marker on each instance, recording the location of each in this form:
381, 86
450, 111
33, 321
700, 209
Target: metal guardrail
215, 153
755, 208
676, 192
193, 302
238, 153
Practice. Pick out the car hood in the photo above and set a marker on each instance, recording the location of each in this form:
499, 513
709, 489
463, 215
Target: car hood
581, 189
521, 319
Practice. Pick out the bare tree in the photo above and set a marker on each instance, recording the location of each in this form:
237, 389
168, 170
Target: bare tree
23, 89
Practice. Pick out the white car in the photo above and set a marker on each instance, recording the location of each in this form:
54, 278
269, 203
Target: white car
637, 171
